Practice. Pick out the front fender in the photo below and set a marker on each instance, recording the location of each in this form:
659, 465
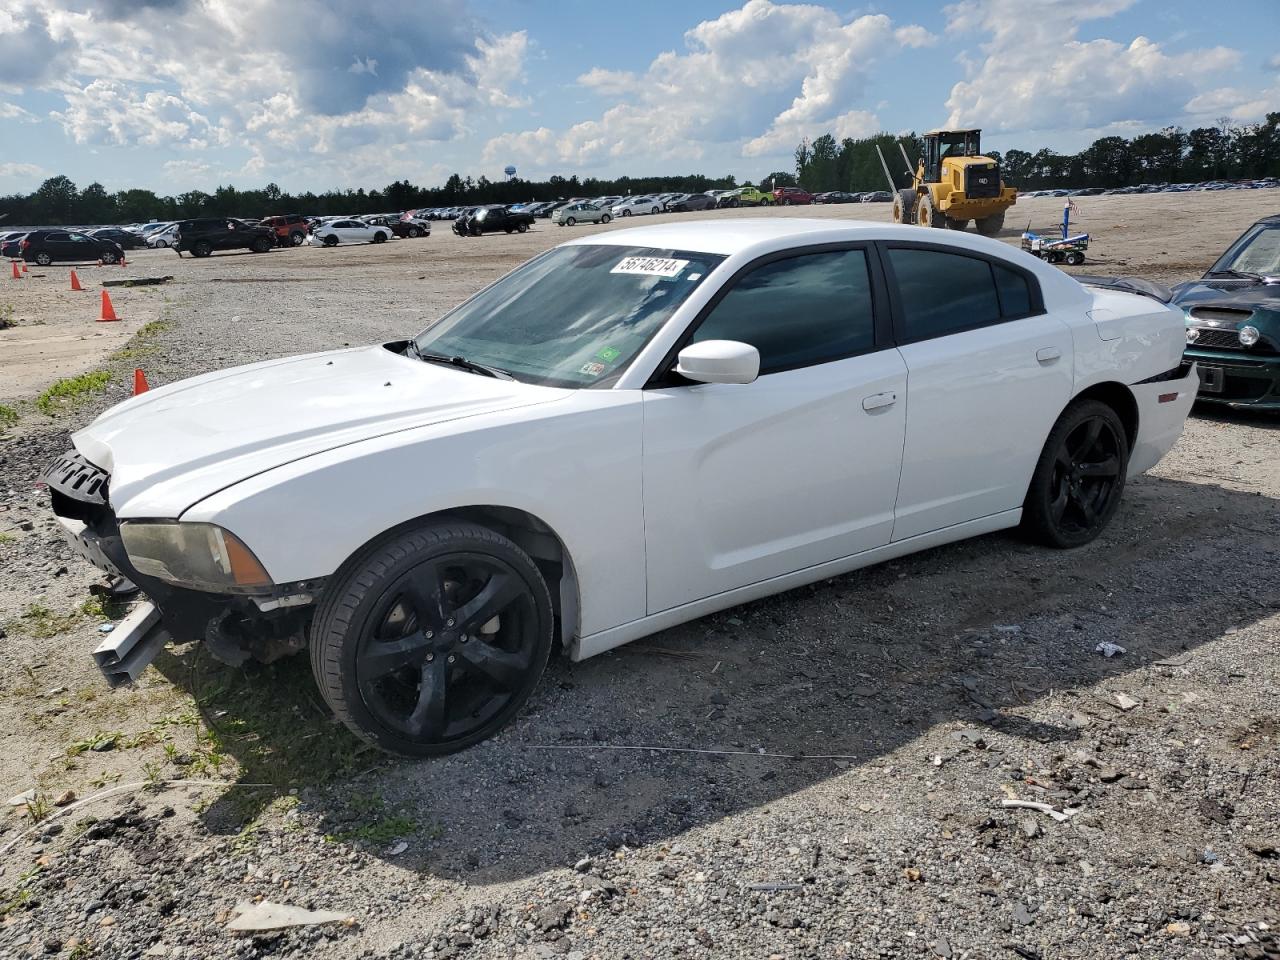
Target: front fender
577, 467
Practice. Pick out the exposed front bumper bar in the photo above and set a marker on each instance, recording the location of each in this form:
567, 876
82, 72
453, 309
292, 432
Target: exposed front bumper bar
131, 646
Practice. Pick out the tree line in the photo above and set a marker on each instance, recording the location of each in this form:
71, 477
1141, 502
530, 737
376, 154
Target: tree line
1172, 155
1224, 152
58, 201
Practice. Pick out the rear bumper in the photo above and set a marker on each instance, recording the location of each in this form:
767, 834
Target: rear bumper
1246, 381
1163, 406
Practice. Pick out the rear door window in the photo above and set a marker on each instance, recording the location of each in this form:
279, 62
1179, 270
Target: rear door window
941, 293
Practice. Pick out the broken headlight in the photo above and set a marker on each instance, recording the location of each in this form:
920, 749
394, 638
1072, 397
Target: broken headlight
201, 556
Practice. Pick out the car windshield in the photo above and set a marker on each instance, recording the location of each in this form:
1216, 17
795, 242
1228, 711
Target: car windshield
1258, 252
573, 317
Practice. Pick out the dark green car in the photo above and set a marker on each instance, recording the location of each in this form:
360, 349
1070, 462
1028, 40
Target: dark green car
1233, 321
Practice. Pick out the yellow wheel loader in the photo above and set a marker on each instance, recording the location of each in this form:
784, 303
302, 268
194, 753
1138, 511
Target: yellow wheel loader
953, 184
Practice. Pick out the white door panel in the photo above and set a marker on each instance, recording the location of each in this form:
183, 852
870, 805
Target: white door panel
747, 482
979, 407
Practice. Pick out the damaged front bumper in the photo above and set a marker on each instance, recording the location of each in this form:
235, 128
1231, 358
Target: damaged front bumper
236, 627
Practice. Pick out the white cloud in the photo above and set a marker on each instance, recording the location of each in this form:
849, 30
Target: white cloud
294, 83
1035, 74
11, 111
23, 176
1244, 106
750, 83
1273, 62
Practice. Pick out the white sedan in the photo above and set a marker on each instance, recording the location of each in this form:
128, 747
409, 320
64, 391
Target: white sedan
333, 232
636, 205
629, 431
164, 237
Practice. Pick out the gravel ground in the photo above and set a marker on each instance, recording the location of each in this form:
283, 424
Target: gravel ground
833, 761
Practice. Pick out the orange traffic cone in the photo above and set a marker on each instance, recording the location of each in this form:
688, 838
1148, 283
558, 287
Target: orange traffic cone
25, 268
140, 384
108, 312
17, 274
75, 281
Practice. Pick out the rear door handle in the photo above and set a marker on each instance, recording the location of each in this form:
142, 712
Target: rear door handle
1048, 354
878, 400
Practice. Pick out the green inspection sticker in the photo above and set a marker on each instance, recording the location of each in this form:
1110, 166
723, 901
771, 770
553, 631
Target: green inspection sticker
609, 354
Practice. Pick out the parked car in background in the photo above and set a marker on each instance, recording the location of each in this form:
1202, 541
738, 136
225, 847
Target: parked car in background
836, 196
746, 197
1233, 321
491, 219
688, 202
348, 230
584, 212
202, 236
631, 206
165, 237
127, 239
877, 196
411, 229
44, 247
934, 390
290, 230
11, 244
792, 196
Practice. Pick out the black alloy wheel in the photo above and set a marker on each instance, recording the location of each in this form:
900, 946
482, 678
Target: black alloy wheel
202, 249
330, 241
1078, 482
434, 640
522, 228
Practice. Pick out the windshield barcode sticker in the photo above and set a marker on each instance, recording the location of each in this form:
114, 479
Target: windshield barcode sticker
650, 266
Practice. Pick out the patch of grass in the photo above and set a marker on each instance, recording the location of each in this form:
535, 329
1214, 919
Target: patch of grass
378, 833
21, 895
38, 808
42, 623
6, 316
100, 609
7, 538
97, 740
8, 416
72, 390
141, 345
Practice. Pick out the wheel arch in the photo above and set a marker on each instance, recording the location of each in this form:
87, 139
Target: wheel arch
1120, 399
531, 534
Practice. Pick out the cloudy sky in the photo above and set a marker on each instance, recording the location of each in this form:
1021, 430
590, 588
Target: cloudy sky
175, 95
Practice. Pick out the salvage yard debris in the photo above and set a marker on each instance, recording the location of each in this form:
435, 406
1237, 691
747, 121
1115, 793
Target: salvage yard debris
265, 915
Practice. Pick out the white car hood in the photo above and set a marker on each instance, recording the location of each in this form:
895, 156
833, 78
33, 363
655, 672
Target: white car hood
171, 447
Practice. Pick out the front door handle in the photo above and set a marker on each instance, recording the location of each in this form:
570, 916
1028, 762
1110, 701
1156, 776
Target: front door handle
1048, 354
878, 400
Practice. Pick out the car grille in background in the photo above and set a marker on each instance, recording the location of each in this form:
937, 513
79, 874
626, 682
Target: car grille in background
73, 476
982, 181
1225, 314
1209, 338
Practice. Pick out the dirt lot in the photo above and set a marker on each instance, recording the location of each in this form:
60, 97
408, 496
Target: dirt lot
933, 688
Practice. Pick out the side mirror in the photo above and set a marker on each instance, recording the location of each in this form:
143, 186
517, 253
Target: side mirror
719, 361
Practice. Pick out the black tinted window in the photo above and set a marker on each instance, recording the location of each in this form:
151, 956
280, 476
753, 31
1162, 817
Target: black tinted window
799, 311
57, 236
1015, 294
943, 293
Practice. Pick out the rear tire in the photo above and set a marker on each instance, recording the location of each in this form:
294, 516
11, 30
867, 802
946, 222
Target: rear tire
904, 206
570, 221
1079, 479
953, 224
1074, 258
330, 241
202, 248
43, 259
606, 218
990, 226
379, 237
261, 246
522, 228
413, 233
387, 643
296, 238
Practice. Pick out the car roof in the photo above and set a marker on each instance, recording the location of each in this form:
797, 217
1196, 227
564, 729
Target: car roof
760, 235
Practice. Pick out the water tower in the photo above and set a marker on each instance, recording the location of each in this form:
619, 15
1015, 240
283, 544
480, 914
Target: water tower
510, 171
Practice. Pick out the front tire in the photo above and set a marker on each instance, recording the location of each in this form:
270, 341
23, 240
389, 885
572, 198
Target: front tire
379, 237
904, 206
432, 640
570, 222
330, 241
606, 218
1079, 479
990, 226
296, 238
